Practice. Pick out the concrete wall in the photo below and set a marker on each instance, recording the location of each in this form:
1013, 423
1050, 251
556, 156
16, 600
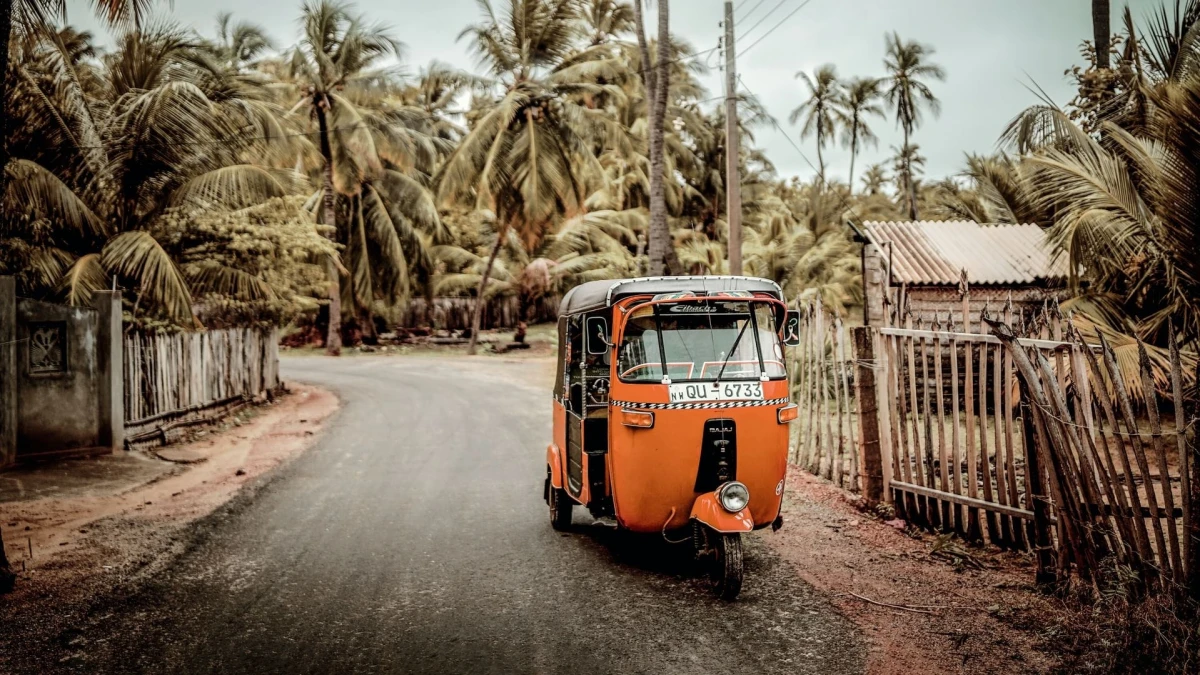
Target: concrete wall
60, 376
58, 408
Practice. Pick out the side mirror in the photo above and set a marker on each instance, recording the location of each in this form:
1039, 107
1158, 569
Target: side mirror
596, 336
791, 328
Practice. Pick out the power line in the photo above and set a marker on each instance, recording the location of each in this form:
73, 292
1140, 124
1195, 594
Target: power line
780, 130
764, 18
764, 36
752, 10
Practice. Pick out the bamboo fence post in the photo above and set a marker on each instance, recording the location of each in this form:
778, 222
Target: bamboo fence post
810, 439
918, 451
901, 449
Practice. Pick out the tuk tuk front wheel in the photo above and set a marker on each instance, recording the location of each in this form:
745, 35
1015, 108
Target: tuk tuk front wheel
561, 507
727, 569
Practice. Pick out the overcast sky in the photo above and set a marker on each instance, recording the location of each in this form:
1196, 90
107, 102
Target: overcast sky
991, 50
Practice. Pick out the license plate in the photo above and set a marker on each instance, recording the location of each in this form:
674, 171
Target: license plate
714, 391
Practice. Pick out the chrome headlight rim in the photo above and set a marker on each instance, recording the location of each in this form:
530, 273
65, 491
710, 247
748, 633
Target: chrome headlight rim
733, 493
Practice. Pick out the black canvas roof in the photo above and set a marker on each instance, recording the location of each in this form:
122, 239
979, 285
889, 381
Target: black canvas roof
599, 294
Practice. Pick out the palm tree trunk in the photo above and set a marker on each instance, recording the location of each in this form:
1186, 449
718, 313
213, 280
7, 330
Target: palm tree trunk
6, 10
333, 340
477, 314
1101, 31
820, 163
660, 232
853, 152
909, 188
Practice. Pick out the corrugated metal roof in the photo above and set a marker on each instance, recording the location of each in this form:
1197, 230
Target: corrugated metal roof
936, 252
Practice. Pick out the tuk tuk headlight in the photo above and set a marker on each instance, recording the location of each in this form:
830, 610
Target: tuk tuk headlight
734, 496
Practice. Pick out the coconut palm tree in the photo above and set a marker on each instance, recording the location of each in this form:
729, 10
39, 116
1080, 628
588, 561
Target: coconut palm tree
826, 98
874, 179
604, 20
528, 156
102, 157
906, 91
861, 103
656, 77
907, 163
337, 49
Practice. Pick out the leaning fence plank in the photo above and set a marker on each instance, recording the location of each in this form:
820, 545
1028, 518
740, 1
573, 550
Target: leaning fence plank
1042, 545
1186, 466
918, 451
1107, 407
1125, 406
1010, 462
1164, 474
1102, 464
955, 447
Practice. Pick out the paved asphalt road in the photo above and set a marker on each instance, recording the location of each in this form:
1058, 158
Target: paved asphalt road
413, 539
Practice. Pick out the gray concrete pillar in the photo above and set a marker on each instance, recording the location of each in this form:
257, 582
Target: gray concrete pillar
110, 370
8, 371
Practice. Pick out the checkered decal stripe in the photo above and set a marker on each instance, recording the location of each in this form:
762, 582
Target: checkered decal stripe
706, 405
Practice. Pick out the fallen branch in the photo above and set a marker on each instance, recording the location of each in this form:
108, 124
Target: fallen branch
919, 609
904, 608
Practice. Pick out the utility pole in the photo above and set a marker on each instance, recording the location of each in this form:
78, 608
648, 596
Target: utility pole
733, 181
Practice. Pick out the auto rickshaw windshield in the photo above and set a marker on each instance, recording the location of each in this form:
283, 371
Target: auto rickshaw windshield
696, 341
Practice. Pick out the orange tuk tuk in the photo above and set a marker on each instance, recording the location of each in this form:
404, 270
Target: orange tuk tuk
671, 411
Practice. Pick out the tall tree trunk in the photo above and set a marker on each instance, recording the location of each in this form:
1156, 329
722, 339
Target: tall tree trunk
6, 11
853, 152
657, 87
477, 313
333, 340
1101, 31
910, 187
820, 163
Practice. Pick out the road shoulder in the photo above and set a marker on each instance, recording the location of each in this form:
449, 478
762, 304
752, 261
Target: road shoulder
129, 514
948, 617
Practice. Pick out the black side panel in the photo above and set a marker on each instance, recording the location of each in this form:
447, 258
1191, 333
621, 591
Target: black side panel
718, 455
574, 454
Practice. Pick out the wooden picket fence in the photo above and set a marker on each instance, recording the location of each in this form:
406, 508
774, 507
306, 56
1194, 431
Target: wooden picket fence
825, 437
171, 375
1027, 437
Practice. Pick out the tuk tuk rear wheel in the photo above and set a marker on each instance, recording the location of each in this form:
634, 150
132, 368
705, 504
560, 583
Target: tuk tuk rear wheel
727, 568
561, 507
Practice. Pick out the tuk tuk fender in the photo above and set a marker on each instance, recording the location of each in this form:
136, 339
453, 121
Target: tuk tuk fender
554, 460
708, 510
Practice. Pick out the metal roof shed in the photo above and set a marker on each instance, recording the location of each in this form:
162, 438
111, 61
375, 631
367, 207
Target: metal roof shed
929, 259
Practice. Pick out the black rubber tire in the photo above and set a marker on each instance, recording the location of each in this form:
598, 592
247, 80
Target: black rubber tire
727, 568
561, 507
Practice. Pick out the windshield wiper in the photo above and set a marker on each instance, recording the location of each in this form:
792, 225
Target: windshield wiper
732, 349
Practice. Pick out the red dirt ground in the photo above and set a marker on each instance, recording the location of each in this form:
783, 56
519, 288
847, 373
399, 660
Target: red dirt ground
955, 619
